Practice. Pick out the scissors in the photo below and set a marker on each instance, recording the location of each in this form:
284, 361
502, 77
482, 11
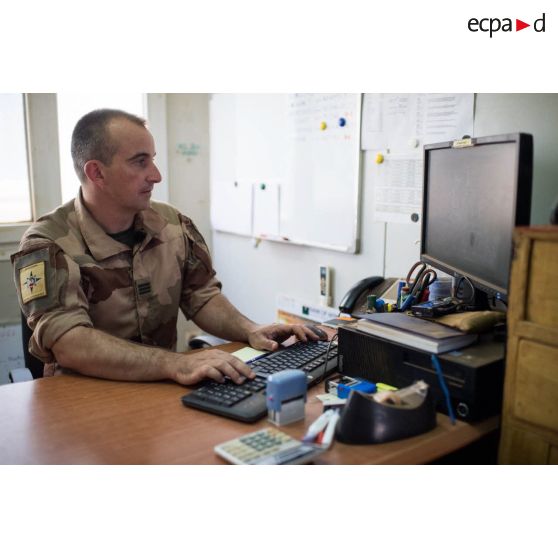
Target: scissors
424, 277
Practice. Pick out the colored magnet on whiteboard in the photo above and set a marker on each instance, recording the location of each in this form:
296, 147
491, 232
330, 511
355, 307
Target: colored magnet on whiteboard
379, 158
342, 122
262, 186
323, 126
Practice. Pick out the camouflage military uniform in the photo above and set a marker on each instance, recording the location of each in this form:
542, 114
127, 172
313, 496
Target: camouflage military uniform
70, 273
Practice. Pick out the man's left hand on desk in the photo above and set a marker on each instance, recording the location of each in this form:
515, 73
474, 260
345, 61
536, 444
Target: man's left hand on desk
210, 363
269, 337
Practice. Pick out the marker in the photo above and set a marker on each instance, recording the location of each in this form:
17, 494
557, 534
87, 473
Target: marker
408, 301
327, 438
400, 285
317, 426
404, 294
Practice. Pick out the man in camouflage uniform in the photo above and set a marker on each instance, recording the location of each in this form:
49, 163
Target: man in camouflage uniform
101, 278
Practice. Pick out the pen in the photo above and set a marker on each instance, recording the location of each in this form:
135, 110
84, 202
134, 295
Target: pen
256, 358
400, 285
317, 426
407, 303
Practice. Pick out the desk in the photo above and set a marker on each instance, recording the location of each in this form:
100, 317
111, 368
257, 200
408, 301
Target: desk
76, 419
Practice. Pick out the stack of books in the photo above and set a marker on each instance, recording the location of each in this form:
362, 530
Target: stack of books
415, 332
339, 321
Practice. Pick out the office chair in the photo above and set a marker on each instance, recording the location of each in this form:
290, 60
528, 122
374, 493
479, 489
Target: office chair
33, 366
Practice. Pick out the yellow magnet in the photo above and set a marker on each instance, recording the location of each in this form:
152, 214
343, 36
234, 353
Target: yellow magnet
379, 158
323, 126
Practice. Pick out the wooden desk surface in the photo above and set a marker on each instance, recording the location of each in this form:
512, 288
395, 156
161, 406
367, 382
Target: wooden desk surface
76, 419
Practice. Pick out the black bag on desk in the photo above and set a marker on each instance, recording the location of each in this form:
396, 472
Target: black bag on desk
366, 421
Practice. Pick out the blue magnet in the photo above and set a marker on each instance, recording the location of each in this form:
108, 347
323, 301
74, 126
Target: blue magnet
342, 122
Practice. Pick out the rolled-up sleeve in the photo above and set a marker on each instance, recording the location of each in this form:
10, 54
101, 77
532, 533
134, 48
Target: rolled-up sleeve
48, 283
200, 283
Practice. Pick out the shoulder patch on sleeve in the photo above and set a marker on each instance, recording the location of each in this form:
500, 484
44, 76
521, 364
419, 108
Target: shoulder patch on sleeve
32, 282
35, 278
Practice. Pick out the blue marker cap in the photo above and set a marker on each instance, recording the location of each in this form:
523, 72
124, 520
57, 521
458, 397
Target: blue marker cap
380, 305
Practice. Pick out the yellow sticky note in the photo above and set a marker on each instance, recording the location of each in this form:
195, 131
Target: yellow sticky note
385, 387
247, 354
32, 282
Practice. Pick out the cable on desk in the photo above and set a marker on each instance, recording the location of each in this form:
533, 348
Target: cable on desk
336, 335
438, 368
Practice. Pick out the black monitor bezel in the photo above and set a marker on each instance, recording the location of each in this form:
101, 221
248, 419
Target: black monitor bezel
522, 205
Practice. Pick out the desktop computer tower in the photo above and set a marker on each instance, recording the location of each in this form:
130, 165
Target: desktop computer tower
474, 375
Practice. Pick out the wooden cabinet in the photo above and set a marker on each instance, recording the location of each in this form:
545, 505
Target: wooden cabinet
530, 411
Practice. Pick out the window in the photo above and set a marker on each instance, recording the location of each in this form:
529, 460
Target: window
71, 107
15, 200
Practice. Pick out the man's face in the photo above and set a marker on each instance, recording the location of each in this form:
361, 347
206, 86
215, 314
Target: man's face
130, 177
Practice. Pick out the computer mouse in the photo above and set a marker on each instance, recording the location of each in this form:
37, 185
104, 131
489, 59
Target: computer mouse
319, 332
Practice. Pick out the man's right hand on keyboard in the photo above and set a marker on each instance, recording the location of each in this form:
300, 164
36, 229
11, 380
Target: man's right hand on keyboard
212, 363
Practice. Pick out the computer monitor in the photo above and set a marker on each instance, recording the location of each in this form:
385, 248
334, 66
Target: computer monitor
475, 192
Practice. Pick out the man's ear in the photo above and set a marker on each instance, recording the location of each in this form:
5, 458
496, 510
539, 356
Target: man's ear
93, 170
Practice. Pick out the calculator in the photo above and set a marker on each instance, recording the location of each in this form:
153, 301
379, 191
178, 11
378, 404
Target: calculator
268, 446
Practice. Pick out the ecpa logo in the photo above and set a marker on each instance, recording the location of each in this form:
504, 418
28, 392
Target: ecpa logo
494, 24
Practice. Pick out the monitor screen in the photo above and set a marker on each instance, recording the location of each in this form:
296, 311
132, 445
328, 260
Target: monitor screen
474, 195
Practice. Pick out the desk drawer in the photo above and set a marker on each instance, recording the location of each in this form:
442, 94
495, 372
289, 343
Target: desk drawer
542, 295
536, 391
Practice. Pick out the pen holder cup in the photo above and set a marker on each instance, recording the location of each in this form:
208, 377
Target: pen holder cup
366, 421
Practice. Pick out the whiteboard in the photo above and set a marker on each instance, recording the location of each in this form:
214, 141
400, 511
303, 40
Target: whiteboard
11, 350
301, 155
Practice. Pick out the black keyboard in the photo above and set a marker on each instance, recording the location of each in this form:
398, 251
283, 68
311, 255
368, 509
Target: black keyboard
246, 402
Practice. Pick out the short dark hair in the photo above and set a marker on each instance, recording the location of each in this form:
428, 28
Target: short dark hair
91, 138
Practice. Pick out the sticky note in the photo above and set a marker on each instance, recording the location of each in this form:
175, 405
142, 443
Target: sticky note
247, 353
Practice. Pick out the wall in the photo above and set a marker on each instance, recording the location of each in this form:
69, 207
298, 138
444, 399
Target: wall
188, 168
9, 307
253, 276
537, 115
